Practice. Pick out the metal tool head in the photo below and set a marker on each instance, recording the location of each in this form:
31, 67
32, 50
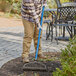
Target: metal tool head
34, 66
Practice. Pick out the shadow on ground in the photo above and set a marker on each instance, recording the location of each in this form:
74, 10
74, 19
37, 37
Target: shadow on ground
11, 33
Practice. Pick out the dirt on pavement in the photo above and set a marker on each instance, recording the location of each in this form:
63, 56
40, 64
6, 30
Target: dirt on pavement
10, 22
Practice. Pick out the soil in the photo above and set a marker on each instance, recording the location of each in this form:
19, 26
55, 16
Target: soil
14, 67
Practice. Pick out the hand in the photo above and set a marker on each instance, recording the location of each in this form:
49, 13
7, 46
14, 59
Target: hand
45, 5
39, 27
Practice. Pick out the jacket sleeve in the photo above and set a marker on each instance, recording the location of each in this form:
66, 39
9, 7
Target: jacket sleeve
35, 17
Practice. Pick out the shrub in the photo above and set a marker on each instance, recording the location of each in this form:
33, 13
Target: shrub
16, 7
68, 60
12, 6
4, 6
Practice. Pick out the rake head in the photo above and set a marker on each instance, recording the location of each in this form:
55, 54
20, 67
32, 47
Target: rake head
34, 66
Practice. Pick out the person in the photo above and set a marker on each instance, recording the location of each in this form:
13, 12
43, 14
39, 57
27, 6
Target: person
31, 13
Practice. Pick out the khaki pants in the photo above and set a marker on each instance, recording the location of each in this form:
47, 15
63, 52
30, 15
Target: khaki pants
30, 32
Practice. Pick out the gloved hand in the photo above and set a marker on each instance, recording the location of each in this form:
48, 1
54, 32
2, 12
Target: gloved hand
39, 27
45, 4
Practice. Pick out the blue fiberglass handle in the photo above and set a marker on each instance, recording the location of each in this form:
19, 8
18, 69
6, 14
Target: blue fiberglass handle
36, 55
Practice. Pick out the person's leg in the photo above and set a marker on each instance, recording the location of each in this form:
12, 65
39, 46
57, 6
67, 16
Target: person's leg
36, 33
28, 36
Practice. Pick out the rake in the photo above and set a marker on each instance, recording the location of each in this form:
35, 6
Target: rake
36, 65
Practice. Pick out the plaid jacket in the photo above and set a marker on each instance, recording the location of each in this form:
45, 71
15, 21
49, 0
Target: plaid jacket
31, 10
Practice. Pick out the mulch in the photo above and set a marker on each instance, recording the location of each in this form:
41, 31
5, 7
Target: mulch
14, 67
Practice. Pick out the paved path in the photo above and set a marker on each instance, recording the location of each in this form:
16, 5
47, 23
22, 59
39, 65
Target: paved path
11, 39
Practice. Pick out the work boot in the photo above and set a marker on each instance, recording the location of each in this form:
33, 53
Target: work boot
41, 56
26, 60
